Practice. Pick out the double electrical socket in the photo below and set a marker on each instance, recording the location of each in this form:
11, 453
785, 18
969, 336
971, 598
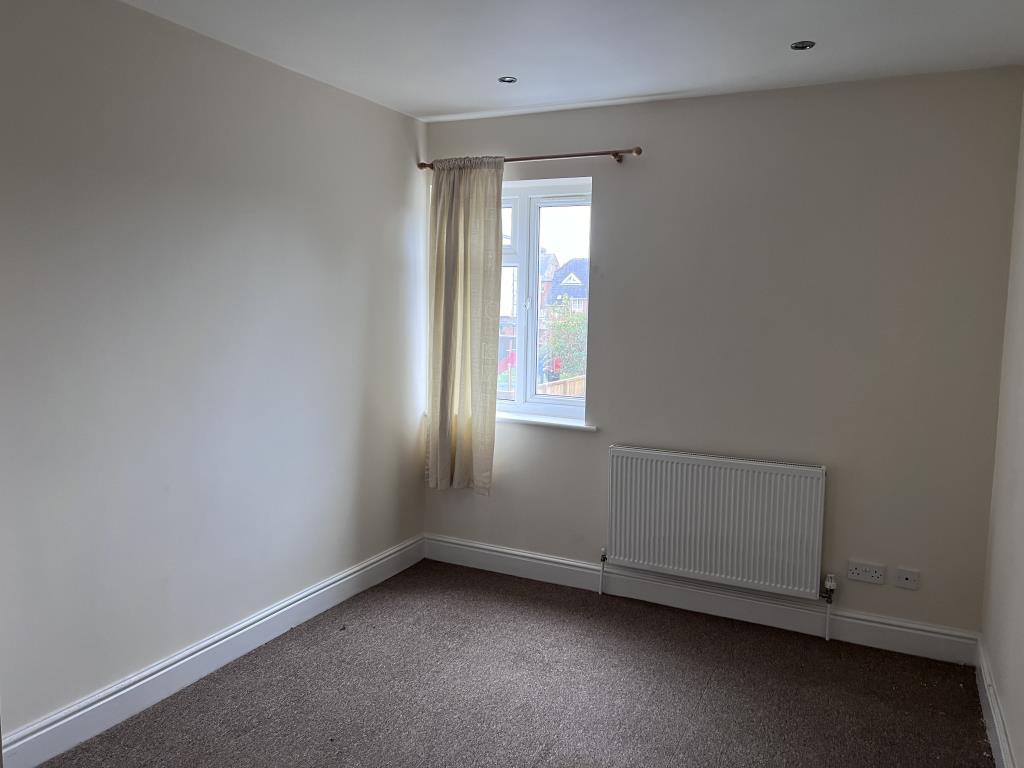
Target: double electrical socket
859, 570
874, 573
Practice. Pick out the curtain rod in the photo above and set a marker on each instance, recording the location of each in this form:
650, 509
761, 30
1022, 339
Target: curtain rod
617, 154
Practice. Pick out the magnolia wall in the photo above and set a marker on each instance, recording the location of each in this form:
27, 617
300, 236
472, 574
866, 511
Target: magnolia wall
815, 274
212, 343
211, 303
1004, 606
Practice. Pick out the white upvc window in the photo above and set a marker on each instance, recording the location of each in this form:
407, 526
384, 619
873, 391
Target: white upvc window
545, 295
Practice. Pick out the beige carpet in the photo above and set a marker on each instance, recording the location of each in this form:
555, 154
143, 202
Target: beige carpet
447, 666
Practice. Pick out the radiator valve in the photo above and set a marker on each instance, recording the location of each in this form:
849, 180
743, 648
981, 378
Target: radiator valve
830, 587
827, 592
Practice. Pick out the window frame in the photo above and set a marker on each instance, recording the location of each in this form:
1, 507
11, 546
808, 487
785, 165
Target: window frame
526, 199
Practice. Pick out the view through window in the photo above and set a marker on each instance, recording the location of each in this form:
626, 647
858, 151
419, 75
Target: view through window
545, 294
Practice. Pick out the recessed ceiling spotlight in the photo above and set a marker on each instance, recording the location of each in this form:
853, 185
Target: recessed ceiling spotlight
508, 79
802, 45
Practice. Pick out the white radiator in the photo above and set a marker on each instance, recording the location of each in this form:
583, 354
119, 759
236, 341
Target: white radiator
753, 524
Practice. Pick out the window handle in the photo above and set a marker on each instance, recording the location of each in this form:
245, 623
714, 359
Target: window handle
526, 303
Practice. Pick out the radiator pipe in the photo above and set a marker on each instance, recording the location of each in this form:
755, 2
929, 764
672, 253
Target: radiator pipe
604, 558
827, 592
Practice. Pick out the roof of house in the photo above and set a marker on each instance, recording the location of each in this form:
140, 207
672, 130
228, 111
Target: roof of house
572, 279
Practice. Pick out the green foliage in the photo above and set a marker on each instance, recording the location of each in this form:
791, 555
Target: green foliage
567, 337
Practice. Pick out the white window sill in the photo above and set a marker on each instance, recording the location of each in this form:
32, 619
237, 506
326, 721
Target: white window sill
544, 421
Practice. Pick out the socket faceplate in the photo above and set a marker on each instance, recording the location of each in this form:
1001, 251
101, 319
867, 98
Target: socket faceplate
861, 570
906, 578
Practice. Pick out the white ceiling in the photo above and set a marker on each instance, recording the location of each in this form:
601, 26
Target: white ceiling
441, 58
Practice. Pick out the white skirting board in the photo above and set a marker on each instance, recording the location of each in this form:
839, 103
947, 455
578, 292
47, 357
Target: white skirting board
39, 741
56, 733
998, 736
808, 617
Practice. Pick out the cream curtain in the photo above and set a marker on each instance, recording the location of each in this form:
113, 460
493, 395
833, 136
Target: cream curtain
465, 291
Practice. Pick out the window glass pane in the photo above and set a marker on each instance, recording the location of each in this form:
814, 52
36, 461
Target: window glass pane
507, 333
506, 226
564, 276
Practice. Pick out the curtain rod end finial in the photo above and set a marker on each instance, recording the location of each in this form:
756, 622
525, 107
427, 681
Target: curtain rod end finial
638, 151
423, 166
